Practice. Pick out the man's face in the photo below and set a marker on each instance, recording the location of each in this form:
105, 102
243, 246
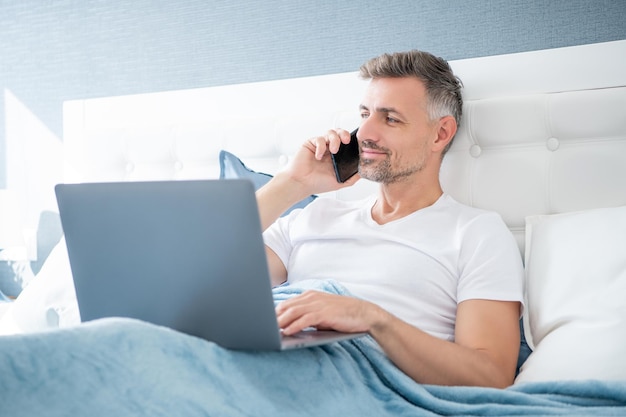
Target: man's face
396, 132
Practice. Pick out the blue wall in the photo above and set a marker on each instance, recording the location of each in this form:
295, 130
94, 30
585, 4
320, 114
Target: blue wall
51, 51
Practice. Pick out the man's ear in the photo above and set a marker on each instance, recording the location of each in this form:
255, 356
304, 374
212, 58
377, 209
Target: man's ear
446, 129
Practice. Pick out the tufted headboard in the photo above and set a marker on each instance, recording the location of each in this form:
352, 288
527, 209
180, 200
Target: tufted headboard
543, 132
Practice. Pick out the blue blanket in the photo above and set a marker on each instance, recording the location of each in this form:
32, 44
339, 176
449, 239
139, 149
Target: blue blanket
123, 367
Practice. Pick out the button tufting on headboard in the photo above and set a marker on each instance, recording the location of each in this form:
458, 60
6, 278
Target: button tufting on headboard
552, 144
475, 151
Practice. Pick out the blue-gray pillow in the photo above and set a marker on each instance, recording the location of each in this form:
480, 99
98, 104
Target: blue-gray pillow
232, 167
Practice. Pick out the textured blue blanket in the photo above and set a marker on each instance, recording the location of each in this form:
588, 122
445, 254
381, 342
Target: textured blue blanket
122, 367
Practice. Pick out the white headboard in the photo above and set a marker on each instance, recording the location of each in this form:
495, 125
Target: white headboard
543, 132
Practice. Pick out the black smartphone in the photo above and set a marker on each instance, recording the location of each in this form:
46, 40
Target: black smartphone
346, 160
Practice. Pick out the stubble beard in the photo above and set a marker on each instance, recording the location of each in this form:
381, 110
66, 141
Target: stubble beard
383, 172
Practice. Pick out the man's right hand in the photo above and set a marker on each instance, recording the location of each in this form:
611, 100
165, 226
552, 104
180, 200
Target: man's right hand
312, 166
309, 172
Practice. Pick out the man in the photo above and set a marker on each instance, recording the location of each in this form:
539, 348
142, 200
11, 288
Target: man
437, 284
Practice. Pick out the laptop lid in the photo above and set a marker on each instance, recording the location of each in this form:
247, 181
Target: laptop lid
184, 254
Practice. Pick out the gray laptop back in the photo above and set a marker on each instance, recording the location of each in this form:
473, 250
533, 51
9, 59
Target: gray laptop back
184, 254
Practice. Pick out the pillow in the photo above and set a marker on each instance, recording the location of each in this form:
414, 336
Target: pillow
575, 289
48, 301
232, 167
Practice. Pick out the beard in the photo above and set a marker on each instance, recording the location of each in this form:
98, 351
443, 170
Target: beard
384, 172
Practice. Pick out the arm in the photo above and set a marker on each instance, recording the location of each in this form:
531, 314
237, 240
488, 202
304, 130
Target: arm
310, 172
484, 352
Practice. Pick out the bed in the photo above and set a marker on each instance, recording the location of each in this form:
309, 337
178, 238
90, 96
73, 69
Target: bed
542, 142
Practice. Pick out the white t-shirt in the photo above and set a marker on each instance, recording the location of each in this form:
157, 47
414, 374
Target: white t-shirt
418, 267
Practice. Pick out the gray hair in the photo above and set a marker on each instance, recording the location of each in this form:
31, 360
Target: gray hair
443, 88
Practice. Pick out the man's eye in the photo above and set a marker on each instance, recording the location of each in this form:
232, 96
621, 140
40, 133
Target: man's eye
364, 115
392, 120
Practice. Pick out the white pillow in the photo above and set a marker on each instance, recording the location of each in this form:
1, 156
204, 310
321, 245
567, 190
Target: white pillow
48, 301
575, 320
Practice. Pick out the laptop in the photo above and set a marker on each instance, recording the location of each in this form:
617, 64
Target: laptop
188, 255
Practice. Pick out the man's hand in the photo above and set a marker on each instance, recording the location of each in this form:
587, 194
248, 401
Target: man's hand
312, 167
327, 312
310, 172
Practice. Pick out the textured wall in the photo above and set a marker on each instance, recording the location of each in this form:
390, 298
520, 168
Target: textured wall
51, 51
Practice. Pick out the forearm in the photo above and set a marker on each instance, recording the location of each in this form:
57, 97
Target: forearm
275, 197
430, 360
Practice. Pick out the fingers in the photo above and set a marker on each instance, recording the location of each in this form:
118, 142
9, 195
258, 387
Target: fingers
330, 141
294, 315
320, 143
323, 311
